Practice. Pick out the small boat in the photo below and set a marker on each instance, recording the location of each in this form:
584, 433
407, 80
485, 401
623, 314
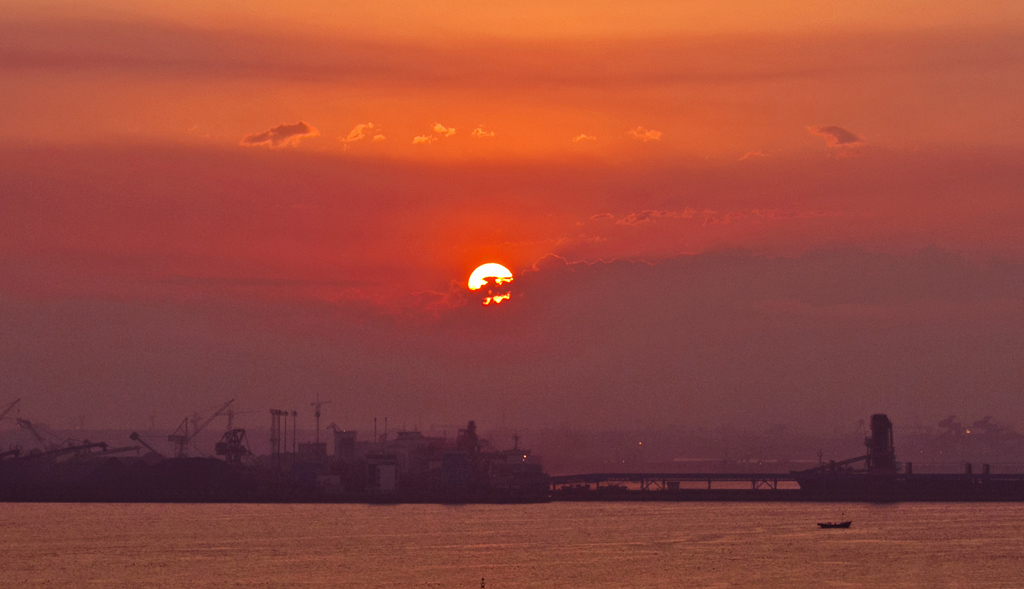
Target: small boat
834, 524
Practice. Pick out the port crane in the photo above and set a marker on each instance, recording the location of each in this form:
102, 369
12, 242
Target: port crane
182, 437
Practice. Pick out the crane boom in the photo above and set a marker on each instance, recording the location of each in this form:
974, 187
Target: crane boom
137, 438
7, 409
60, 451
216, 413
26, 424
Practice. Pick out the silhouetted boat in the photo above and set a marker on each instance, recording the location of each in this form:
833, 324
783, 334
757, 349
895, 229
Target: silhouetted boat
834, 524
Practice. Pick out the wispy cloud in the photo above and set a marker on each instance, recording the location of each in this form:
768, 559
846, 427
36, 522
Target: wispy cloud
644, 135
283, 135
582, 137
481, 133
837, 136
379, 137
423, 139
757, 153
646, 216
711, 216
358, 133
793, 214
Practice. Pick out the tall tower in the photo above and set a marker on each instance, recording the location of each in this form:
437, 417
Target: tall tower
881, 452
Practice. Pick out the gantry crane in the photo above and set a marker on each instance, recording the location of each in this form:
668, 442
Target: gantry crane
181, 436
233, 446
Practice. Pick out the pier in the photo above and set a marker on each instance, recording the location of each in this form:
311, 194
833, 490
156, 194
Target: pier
670, 481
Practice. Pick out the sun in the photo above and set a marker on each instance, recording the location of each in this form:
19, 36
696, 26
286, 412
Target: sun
492, 276
480, 276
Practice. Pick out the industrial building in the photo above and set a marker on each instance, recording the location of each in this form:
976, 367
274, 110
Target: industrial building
407, 467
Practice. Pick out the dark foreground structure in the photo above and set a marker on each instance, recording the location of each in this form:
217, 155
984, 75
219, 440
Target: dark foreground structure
874, 477
410, 468
413, 468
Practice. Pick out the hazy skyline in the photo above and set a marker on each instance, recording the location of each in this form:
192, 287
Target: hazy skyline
715, 213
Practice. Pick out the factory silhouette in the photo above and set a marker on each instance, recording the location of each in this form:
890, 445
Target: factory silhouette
411, 466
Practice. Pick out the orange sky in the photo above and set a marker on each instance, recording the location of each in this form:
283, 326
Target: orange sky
716, 79
688, 94
372, 154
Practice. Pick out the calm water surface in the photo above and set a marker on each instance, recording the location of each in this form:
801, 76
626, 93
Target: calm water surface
552, 545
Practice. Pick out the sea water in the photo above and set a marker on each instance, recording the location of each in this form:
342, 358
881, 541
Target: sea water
512, 546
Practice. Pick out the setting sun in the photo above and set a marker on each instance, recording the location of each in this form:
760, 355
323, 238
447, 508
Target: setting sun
491, 274
482, 274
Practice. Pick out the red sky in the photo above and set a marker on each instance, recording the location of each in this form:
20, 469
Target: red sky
717, 213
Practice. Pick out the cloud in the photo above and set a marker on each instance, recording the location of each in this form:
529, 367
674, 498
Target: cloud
282, 135
716, 218
644, 135
440, 130
837, 136
879, 199
792, 214
757, 153
358, 133
443, 131
379, 138
582, 137
479, 132
645, 216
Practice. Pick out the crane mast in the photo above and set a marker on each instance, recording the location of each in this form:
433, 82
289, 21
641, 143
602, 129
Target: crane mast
317, 404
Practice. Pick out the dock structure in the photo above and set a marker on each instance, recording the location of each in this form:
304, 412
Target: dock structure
661, 481
821, 485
